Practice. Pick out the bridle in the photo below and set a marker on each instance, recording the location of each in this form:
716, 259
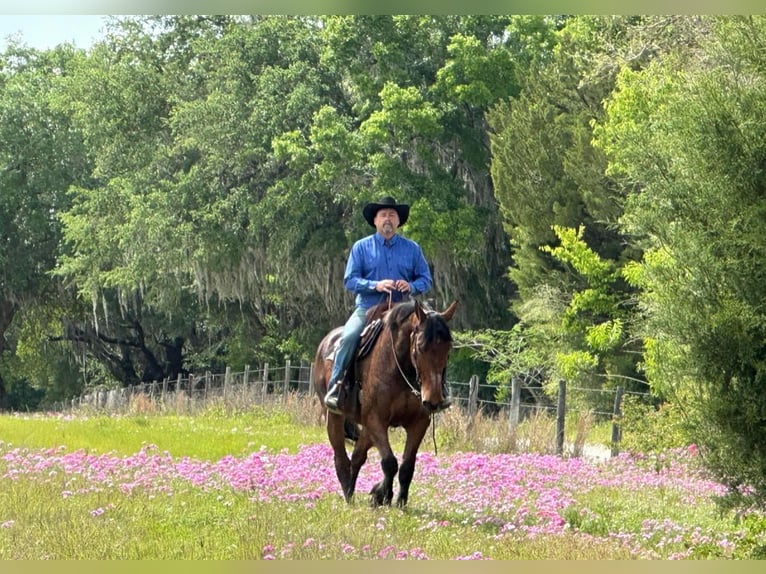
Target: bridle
415, 391
413, 351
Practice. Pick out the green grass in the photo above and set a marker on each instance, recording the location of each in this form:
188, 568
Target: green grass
210, 435
37, 521
195, 526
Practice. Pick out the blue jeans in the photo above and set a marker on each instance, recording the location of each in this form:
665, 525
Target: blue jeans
352, 332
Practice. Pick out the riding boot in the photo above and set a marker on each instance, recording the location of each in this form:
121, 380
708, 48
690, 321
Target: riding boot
331, 398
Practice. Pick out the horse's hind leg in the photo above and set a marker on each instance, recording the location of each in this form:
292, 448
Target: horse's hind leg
415, 436
358, 458
342, 463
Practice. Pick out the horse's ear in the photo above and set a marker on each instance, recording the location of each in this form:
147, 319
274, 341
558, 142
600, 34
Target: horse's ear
447, 313
420, 312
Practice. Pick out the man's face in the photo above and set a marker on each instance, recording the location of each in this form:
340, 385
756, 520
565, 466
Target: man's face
386, 222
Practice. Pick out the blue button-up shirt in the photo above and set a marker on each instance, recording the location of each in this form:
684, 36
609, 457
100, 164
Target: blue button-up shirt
373, 259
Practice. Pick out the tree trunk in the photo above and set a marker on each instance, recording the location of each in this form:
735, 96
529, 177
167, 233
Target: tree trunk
7, 311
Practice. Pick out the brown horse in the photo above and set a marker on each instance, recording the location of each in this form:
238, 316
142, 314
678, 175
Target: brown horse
401, 386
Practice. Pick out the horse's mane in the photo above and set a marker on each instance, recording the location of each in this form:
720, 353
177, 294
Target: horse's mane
434, 328
399, 313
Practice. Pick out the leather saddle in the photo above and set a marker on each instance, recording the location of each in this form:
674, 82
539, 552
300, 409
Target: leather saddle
348, 398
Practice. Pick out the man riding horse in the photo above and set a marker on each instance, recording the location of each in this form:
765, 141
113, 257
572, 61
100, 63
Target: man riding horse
381, 267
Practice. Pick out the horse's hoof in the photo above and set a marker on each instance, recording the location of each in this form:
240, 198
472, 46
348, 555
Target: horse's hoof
377, 497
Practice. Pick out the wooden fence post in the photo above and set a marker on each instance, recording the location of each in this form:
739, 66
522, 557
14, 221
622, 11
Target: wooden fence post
473, 400
265, 382
617, 422
513, 418
561, 417
245, 382
310, 385
287, 380
473, 396
226, 382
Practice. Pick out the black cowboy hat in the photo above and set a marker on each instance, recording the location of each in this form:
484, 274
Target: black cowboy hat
388, 202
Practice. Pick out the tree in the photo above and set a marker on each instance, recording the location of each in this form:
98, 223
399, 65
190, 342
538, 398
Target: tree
225, 161
40, 156
549, 176
687, 135
419, 87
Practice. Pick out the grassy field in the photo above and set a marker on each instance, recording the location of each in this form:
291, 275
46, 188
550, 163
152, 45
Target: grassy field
235, 484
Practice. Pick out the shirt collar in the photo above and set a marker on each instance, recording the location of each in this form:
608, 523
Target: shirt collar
382, 240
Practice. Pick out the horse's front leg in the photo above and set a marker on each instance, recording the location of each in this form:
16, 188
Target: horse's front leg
415, 434
383, 492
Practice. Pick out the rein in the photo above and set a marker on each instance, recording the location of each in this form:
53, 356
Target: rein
415, 391
433, 431
406, 380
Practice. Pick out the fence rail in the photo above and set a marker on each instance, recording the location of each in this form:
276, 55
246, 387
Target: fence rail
267, 383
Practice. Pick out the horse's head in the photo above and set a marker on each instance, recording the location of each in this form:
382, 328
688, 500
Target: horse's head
430, 344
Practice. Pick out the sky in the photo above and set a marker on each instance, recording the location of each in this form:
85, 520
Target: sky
43, 31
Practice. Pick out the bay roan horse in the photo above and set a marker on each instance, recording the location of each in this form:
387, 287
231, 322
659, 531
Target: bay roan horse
401, 385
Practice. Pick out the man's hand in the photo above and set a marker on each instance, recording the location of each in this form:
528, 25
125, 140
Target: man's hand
388, 285
385, 285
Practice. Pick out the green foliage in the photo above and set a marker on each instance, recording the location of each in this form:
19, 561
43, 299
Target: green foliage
573, 250
403, 115
752, 546
651, 428
463, 364
532, 38
475, 74
47, 370
550, 173
589, 329
505, 354
575, 365
545, 170
606, 336
690, 141
596, 300
41, 155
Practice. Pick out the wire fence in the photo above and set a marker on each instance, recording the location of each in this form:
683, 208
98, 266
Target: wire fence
265, 384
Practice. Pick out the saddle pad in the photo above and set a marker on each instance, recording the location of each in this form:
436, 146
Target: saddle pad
369, 335
367, 340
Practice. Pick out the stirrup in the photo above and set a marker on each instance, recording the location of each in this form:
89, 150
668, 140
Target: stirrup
331, 398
